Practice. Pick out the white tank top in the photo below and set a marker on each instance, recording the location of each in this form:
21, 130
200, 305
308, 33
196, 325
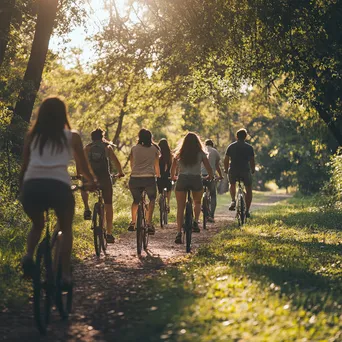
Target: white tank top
50, 164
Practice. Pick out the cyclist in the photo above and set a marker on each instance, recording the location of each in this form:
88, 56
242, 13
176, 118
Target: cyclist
44, 179
144, 160
98, 154
188, 158
214, 161
239, 162
165, 162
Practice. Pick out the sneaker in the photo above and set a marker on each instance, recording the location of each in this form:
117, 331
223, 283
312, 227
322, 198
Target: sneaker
232, 206
131, 227
211, 219
28, 266
87, 214
178, 239
150, 228
248, 215
110, 238
195, 227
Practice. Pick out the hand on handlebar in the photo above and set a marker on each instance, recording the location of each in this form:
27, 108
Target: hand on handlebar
119, 175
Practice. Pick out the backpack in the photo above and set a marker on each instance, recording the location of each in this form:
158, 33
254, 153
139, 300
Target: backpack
97, 158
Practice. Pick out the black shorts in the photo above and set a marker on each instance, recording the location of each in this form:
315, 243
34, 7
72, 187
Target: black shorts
41, 194
246, 177
189, 182
138, 184
163, 183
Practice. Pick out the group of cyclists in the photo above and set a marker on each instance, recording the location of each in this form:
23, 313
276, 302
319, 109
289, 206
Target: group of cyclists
45, 183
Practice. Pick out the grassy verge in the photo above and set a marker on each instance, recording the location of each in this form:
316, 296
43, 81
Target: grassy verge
279, 279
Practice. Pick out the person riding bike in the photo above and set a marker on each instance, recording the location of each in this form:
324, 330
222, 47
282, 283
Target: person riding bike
165, 162
188, 159
214, 161
44, 180
144, 160
99, 153
239, 163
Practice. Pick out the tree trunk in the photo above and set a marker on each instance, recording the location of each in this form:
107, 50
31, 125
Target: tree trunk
47, 10
6, 12
121, 116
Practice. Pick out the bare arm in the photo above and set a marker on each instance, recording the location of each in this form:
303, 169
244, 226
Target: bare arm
252, 164
226, 164
26, 159
156, 166
218, 168
115, 160
206, 164
80, 158
173, 169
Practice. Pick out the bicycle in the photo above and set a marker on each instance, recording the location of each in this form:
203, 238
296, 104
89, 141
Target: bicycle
141, 227
47, 277
206, 202
163, 210
188, 222
240, 204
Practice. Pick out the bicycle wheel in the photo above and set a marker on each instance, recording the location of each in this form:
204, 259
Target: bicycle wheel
188, 226
161, 210
205, 210
97, 229
63, 295
103, 234
165, 212
140, 229
242, 210
43, 286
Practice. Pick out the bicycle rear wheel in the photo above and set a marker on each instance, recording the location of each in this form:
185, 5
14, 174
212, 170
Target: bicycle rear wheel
99, 238
140, 229
241, 211
161, 210
205, 210
63, 295
43, 286
188, 226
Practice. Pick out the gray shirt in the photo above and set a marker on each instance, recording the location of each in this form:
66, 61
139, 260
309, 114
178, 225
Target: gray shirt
214, 158
143, 160
194, 169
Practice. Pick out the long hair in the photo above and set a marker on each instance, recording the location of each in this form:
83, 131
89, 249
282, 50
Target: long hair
189, 148
49, 126
166, 155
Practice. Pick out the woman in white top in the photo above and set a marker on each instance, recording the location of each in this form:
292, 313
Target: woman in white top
44, 180
144, 160
188, 159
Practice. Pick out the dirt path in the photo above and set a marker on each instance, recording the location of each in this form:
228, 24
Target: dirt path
103, 285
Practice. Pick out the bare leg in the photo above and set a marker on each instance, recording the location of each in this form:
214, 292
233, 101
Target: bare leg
168, 196
249, 196
233, 191
197, 196
134, 212
109, 218
35, 233
181, 198
150, 211
65, 222
85, 198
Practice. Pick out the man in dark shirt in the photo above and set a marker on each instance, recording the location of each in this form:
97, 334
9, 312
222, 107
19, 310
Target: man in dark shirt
239, 163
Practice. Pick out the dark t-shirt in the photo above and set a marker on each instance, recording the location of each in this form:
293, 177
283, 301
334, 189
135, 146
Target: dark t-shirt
240, 154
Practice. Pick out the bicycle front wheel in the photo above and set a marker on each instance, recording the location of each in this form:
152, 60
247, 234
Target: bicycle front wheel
161, 211
98, 231
140, 229
43, 286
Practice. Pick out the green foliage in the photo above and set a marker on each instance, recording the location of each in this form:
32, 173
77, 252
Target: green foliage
278, 279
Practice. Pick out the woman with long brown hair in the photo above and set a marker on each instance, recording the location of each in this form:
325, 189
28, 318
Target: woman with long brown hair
188, 158
44, 180
165, 162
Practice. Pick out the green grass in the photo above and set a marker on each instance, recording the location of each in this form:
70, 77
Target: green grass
278, 279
